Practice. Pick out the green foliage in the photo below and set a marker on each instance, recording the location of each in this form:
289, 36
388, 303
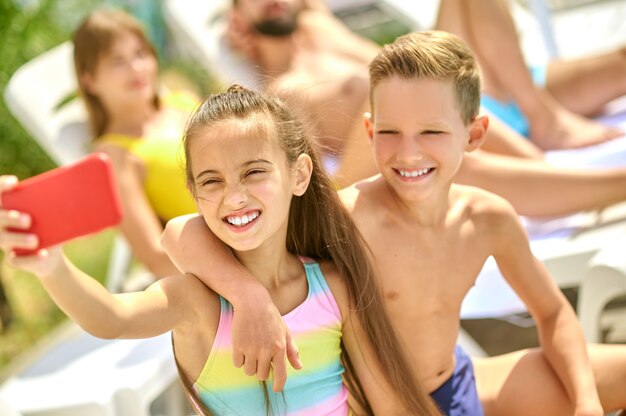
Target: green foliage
28, 28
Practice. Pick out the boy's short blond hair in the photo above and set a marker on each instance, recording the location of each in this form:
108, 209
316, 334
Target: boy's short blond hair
431, 55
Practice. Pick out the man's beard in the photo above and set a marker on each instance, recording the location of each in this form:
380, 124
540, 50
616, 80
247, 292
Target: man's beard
277, 28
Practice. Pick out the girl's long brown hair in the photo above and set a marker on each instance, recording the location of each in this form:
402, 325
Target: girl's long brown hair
320, 227
92, 40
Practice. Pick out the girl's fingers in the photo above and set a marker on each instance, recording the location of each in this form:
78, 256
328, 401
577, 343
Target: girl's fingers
238, 359
7, 182
280, 372
10, 241
14, 219
249, 367
292, 353
263, 368
37, 263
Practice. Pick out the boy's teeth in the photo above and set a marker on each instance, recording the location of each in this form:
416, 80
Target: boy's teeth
242, 220
414, 173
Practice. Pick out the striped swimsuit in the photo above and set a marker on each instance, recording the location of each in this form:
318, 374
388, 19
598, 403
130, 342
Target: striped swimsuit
317, 389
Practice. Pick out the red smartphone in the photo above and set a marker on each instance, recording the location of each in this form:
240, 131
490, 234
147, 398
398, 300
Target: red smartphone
67, 202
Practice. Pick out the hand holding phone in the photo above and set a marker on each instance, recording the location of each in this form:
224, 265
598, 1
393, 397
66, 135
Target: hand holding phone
67, 202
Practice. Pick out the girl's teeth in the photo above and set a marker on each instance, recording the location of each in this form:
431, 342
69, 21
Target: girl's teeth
243, 220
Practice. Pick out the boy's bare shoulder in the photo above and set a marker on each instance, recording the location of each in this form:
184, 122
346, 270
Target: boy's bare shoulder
484, 207
361, 195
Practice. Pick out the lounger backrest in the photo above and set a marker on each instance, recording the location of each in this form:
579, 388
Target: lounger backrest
39, 96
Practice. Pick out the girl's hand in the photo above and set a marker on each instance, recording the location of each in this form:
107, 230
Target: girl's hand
261, 341
40, 264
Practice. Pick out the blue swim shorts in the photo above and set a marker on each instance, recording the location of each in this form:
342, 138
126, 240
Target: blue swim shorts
458, 396
509, 112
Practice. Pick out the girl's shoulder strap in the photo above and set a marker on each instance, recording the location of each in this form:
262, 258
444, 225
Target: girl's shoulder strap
318, 286
226, 308
307, 260
314, 275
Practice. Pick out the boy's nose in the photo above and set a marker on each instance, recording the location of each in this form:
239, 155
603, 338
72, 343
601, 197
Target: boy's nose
410, 149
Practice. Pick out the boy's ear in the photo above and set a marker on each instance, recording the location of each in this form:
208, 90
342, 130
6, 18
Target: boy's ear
303, 171
477, 133
369, 125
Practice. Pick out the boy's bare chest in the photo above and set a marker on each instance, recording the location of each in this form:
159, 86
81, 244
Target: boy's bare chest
433, 271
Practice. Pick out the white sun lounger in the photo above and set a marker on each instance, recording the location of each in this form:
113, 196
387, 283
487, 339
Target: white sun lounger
581, 251
6, 409
80, 375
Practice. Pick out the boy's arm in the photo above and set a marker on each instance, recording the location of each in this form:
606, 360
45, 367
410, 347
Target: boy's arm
559, 331
260, 338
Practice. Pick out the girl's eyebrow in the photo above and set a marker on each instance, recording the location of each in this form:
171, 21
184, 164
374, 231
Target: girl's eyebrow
243, 165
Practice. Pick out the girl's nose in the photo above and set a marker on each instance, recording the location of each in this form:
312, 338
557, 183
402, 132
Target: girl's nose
235, 196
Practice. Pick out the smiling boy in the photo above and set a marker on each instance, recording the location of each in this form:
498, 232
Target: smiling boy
430, 239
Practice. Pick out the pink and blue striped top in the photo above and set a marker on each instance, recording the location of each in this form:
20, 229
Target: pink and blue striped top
316, 389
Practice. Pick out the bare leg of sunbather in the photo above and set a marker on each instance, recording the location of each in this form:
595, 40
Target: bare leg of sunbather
585, 85
500, 138
523, 383
488, 27
538, 189
503, 140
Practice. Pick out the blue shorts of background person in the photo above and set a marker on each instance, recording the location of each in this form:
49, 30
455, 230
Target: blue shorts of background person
509, 112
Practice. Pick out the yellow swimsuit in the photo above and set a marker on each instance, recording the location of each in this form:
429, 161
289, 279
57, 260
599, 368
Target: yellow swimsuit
164, 160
